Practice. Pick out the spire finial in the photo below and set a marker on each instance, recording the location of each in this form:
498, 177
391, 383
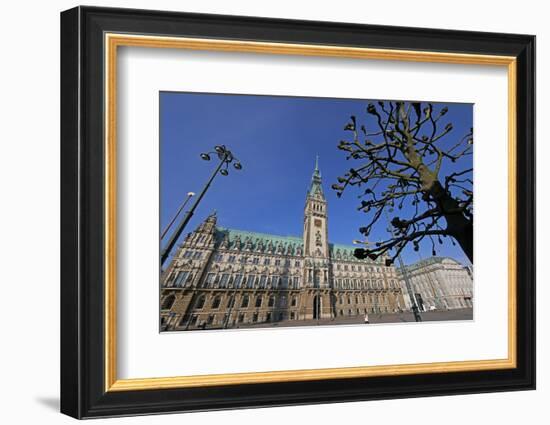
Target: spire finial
316, 172
316, 179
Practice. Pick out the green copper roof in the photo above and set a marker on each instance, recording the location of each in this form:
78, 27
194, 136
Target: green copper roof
346, 252
244, 234
344, 249
316, 184
255, 241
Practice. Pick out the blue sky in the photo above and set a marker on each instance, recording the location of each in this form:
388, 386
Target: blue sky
276, 139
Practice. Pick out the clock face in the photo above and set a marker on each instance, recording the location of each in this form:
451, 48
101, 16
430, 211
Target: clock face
318, 223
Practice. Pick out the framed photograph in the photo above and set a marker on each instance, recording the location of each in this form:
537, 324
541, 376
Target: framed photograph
261, 212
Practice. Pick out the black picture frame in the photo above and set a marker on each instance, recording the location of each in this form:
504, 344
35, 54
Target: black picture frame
83, 392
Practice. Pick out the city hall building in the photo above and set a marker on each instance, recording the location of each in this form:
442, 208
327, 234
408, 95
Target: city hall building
228, 278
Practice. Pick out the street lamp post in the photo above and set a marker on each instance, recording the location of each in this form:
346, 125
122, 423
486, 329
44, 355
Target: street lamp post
405, 274
182, 206
412, 298
226, 158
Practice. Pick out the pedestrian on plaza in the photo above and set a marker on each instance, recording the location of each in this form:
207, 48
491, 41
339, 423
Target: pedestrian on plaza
366, 319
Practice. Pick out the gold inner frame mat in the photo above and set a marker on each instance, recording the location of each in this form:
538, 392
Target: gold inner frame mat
113, 41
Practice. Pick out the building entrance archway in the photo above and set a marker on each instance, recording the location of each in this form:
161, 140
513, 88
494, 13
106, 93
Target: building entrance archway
316, 307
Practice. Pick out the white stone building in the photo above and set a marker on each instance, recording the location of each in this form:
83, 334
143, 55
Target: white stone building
440, 283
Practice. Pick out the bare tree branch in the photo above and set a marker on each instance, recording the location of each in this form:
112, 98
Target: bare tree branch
400, 152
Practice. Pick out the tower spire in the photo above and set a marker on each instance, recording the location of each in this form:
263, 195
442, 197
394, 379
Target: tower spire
316, 187
316, 172
315, 224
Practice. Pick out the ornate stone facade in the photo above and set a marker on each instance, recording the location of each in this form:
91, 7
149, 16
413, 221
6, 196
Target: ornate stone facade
226, 278
440, 283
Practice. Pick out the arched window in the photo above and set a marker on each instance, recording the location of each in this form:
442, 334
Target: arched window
224, 279
216, 302
250, 281
244, 302
284, 282
181, 278
168, 302
258, 301
209, 280
200, 302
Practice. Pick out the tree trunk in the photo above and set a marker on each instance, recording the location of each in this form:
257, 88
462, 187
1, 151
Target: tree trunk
458, 226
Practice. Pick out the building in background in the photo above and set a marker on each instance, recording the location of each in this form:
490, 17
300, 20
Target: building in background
226, 278
440, 283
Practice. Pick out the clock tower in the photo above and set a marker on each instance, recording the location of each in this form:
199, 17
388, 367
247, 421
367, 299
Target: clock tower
316, 248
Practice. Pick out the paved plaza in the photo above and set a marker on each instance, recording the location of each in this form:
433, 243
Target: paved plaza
427, 316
